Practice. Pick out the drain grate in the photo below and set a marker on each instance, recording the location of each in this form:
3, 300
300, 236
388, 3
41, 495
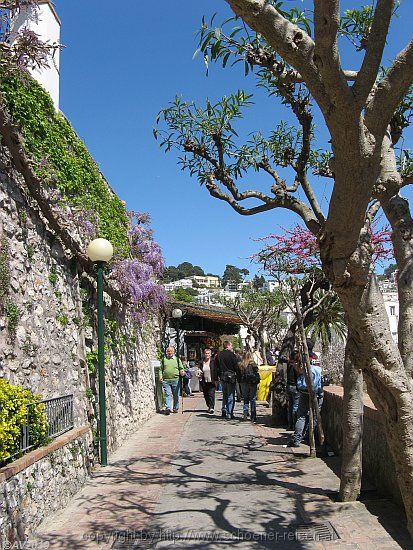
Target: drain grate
315, 531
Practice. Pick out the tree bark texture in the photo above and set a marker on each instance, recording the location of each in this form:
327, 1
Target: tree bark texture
352, 423
388, 384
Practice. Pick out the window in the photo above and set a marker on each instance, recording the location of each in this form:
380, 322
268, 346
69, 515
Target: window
392, 310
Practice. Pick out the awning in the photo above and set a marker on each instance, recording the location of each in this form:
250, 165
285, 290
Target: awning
207, 318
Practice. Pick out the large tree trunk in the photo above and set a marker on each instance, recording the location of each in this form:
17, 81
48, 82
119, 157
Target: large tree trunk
352, 423
388, 384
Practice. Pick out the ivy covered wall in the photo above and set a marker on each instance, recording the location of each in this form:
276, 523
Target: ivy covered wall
63, 159
47, 298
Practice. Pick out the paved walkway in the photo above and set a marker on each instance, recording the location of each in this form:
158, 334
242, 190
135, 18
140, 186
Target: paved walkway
197, 481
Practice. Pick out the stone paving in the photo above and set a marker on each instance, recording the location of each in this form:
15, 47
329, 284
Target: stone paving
197, 481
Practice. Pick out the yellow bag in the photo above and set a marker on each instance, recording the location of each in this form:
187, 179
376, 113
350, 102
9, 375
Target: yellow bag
263, 392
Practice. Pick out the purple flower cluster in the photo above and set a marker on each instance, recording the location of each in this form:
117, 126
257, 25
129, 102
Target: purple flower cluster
85, 222
135, 280
136, 276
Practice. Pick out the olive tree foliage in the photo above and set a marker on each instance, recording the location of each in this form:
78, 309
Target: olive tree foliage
365, 109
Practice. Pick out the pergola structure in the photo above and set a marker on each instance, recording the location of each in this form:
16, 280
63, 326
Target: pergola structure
204, 325
208, 319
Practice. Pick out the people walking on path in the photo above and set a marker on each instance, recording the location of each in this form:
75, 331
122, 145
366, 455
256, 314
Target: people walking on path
170, 373
249, 380
208, 379
301, 426
214, 485
186, 378
238, 391
294, 369
228, 373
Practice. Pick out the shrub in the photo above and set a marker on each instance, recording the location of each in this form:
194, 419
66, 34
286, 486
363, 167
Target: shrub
17, 406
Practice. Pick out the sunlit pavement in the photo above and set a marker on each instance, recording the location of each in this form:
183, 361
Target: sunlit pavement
193, 480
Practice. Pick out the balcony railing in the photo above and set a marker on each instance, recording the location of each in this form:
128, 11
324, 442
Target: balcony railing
59, 414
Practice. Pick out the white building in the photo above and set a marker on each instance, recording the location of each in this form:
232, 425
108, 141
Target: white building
44, 21
391, 303
233, 286
270, 286
215, 297
182, 283
210, 281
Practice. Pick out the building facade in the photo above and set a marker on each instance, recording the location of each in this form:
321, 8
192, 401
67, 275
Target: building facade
44, 21
210, 281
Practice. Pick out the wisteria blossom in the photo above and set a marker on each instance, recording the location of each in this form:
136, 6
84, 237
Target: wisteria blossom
83, 223
136, 276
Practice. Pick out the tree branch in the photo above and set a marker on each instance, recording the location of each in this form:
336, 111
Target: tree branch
295, 78
326, 54
374, 51
301, 169
293, 44
371, 212
17, 4
283, 201
407, 180
390, 92
279, 182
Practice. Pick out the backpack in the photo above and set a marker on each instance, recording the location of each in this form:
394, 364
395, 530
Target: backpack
251, 376
188, 374
229, 376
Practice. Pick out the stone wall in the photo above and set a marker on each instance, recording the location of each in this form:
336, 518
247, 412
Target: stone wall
378, 464
40, 483
47, 348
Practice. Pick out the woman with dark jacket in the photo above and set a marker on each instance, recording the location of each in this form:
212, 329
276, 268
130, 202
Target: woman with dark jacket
249, 380
208, 379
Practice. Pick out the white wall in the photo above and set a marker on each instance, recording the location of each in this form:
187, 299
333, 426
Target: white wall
391, 303
44, 22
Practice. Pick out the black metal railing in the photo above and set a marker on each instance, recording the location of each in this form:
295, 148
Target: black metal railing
59, 415
59, 412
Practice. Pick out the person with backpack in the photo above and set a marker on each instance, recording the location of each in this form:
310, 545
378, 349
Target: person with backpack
249, 380
303, 412
228, 373
294, 369
208, 379
186, 389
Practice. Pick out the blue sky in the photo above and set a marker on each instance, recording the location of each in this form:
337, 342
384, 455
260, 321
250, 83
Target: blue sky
119, 68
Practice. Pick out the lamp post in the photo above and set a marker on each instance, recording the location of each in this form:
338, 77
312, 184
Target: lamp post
100, 251
177, 315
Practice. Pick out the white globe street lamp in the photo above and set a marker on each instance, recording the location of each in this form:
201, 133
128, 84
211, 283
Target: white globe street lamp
177, 313
100, 251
